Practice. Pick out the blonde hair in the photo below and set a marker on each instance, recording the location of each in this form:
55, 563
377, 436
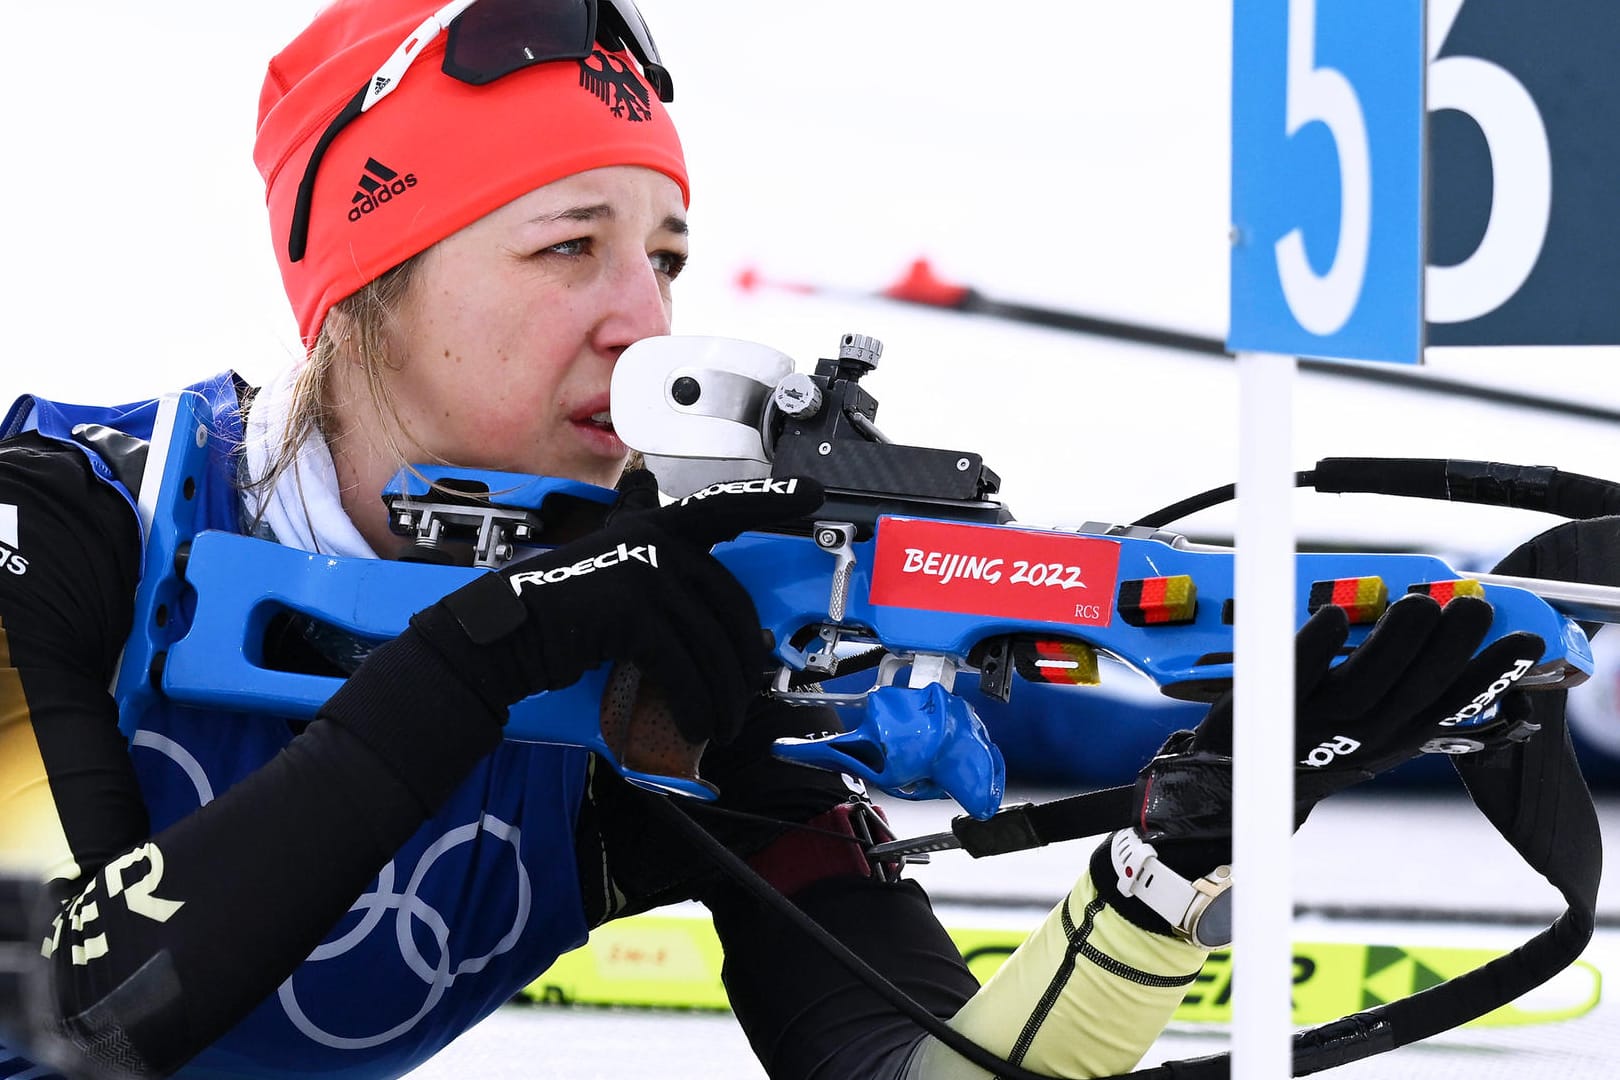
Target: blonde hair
359, 322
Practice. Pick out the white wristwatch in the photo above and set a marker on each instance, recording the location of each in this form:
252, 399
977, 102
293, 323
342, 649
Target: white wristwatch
1198, 911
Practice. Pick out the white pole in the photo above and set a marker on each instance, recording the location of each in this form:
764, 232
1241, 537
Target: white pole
1263, 742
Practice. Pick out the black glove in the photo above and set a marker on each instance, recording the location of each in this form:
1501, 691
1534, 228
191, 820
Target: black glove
644, 590
1400, 693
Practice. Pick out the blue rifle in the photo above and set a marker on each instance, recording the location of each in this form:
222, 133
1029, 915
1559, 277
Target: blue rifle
911, 567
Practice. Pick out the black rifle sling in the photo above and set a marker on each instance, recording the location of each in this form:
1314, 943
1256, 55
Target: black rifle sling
1533, 793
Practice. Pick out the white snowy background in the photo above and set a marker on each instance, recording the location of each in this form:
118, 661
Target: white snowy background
1067, 152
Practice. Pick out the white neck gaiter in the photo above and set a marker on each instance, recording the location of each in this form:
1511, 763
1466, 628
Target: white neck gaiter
302, 509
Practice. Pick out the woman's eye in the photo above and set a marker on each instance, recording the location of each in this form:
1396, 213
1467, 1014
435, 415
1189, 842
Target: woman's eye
668, 263
581, 246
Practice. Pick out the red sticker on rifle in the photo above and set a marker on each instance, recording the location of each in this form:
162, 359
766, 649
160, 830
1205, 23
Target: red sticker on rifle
995, 570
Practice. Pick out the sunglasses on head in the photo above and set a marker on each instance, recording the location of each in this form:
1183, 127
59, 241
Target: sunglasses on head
488, 39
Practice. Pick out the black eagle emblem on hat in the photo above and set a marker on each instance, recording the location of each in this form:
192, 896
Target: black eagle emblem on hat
617, 85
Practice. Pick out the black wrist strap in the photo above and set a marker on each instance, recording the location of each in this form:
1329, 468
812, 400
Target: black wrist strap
1026, 825
1038, 824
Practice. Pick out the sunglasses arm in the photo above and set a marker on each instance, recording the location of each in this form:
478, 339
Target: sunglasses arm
387, 77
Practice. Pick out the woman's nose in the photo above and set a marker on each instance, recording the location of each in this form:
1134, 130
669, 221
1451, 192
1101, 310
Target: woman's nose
639, 306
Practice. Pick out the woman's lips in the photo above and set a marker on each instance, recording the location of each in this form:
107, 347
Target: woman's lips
595, 427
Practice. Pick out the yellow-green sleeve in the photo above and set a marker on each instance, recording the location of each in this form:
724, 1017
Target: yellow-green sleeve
1085, 995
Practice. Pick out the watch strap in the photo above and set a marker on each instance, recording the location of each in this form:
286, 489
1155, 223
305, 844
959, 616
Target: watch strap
1179, 901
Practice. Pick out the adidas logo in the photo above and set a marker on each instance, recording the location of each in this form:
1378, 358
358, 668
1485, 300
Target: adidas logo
378, 185
9, 559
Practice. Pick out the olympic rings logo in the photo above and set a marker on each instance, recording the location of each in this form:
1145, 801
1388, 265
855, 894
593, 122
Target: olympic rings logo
408, 907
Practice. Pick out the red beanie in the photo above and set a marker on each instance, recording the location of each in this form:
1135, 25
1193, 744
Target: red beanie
449, 152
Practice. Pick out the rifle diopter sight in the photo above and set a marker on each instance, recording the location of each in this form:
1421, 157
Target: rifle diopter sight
706, 409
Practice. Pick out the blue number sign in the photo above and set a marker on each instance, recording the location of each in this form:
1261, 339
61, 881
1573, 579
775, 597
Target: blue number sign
1327, 178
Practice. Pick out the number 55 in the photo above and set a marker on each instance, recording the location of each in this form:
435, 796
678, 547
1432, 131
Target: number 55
1521, 176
